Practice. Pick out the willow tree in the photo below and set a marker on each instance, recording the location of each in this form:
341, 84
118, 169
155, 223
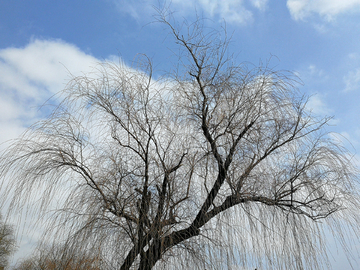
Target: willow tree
57, 257
7, 243
217, 165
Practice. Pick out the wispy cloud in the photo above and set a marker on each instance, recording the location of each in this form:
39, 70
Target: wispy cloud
233, 11
260, 4
314, 71
327, 9
352, 80
317, 106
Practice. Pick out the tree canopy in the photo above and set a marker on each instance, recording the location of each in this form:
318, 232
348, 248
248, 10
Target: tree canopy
7, 243
57, 257
216, 165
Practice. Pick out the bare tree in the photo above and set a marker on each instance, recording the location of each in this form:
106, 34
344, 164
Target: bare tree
59, 257
7, 243
213, 166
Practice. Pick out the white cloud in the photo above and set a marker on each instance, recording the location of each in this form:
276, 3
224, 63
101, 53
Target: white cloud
352, 80
354, 56
260, 4
317, 106
315, 71
328, 9
44, 62
232, 11
32, 74
312, 75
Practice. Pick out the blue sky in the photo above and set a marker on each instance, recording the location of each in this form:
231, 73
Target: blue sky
42, 41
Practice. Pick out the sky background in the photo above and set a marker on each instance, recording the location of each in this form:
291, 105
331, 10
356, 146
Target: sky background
44, 43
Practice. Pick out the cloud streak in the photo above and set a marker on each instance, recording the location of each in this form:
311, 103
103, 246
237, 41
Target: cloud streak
233, 11
352, 80
327, 9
